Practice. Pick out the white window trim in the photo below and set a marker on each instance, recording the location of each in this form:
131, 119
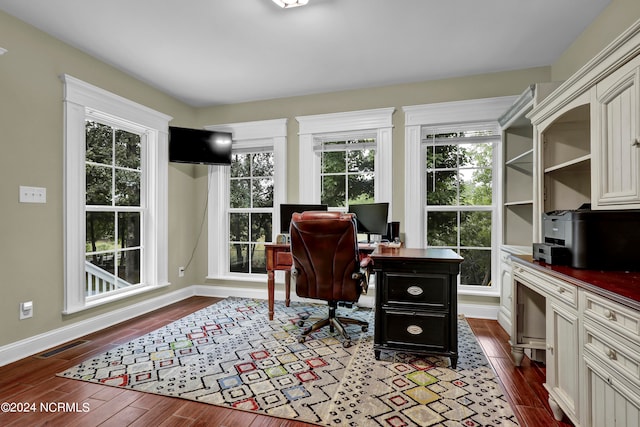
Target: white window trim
80, 99
378, 120
258, 134
441, 114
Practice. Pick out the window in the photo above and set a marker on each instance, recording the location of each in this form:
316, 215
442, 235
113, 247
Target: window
243, 197
114, 208
459, 195
346, 157
115, 197
250, 211
451, 147
347, 169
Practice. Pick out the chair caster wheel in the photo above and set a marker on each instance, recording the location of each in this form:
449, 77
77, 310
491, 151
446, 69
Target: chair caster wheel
365, 328
301, 339
300, 322
346, 344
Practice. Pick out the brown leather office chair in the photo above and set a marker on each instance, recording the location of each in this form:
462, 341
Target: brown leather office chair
327, 266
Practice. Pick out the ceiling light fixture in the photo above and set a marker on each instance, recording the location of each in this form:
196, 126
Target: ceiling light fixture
290, 3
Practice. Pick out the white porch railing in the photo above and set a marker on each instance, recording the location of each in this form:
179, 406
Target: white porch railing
99, 281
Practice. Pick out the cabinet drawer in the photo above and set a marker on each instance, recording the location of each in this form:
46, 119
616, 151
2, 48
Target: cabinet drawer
609, 348
612, 315
546, 285
417, 330
426, 291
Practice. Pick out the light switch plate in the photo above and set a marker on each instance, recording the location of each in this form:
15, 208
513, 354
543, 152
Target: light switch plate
33, 194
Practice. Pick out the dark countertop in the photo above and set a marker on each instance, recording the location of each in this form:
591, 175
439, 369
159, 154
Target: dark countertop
619, 286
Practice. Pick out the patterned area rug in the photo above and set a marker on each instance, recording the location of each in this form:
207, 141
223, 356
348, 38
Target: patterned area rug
230, 354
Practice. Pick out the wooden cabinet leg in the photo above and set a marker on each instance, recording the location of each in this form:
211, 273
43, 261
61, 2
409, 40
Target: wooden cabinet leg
555, 409
518, 355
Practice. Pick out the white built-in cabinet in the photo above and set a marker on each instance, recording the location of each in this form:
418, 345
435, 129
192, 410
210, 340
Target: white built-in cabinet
518, 188
591, 343
585, 139
616, 178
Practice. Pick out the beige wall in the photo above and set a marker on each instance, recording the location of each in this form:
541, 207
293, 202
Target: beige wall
31, 117
613, 20
31, 120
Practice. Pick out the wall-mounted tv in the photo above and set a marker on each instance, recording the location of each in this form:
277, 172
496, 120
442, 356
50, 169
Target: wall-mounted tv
199, 146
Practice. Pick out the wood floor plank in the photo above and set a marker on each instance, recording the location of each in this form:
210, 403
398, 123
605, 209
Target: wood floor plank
34, 378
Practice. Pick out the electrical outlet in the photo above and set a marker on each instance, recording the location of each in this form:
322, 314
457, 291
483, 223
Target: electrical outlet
26, 310
180, 271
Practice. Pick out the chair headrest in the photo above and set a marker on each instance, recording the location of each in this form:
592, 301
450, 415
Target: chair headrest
315, 215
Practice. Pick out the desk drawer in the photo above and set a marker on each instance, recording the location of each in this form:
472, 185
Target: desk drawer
283, 261
416, 330
424, 291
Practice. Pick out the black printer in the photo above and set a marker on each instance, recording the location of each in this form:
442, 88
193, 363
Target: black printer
591, 239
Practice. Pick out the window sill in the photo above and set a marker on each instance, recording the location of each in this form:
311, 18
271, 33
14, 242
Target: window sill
114, 298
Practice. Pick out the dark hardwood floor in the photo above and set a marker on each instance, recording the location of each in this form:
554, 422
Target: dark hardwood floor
33, 381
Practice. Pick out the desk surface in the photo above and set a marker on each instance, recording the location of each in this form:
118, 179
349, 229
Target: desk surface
434, 254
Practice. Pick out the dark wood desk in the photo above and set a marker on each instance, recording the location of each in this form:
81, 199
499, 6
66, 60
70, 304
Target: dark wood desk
279, 258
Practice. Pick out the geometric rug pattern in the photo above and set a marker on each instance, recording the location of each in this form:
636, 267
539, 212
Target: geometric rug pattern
230, 354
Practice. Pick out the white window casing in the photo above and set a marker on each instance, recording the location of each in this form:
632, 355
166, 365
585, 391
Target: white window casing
311, 127
437, 115
82, 101
268, 135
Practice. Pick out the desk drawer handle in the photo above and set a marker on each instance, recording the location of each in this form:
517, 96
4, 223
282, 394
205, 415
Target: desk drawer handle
612, 354
610, 315
415, 290
561, 290
414, 330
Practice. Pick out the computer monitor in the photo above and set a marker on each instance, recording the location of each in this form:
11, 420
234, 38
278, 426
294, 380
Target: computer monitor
287, 210
371, 218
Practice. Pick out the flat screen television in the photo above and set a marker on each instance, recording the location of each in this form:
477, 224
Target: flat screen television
371, 218
287, 210
199, 146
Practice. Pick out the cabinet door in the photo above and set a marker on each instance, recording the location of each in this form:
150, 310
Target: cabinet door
616, 146
609, 402
563, 352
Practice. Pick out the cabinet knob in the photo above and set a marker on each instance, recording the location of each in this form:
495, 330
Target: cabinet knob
550, 348
635, 143
609, 315
612, 354
415, 290
560, 290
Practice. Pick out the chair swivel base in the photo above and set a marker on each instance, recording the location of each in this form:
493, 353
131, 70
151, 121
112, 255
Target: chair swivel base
334, 322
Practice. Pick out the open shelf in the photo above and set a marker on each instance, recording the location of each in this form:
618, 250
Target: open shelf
580, 163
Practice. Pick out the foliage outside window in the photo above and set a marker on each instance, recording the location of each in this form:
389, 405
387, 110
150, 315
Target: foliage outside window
347, 171
250, 210
459, 198
114, 208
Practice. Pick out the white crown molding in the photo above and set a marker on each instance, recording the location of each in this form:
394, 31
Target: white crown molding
253, 130
347, 121
78, 92
475, 110
619, 51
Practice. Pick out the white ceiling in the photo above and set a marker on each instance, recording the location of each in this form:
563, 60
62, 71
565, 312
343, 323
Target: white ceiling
211, 52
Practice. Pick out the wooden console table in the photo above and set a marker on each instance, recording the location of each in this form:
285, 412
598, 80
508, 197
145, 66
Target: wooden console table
278, 258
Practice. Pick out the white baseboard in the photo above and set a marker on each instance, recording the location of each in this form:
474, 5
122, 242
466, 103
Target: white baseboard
50, 339
479, 311
41, 342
